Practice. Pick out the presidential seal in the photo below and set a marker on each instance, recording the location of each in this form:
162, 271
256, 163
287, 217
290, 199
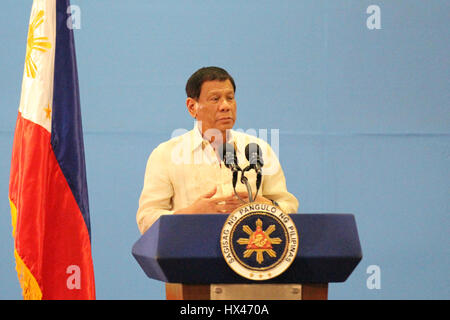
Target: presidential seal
259, 241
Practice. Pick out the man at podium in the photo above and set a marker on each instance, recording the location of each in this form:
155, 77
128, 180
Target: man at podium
186, 174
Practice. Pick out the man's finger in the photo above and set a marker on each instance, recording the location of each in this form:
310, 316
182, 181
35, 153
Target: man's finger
228, 207
210, 193
230, 202
221, 199
243, 195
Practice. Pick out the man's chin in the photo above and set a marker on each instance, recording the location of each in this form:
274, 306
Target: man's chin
225, 128
225, 124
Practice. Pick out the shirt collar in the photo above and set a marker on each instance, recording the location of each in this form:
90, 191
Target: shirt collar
198, 141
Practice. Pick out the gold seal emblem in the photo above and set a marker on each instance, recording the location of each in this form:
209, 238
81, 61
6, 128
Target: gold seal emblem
259, 241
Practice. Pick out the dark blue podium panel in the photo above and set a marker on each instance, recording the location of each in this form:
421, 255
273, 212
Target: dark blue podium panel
186, 249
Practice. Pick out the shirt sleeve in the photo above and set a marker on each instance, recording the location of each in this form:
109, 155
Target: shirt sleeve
274, 183
157, 193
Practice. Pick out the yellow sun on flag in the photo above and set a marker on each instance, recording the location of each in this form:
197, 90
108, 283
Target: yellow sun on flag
35, 43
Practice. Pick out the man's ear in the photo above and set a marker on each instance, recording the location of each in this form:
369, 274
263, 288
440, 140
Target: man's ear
192, 106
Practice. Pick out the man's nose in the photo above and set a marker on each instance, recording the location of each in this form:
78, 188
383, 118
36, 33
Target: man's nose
225, 105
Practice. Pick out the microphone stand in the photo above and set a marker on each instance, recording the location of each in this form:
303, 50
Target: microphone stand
253, 153
232, 164
244, 180
235, 174
258, 183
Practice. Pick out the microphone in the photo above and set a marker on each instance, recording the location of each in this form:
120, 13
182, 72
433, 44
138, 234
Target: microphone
229, 157
230, 160
253, 153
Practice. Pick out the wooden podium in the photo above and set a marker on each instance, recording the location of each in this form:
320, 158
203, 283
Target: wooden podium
179, 291
184, 252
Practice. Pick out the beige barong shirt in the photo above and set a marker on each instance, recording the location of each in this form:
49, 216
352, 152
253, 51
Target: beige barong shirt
182, 169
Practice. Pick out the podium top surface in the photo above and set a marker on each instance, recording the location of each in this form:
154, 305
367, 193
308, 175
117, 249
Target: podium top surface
186, 249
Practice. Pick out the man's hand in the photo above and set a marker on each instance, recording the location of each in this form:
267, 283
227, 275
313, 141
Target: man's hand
207, 204
260, 199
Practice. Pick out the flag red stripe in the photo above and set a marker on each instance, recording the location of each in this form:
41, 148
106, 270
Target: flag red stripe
51, 236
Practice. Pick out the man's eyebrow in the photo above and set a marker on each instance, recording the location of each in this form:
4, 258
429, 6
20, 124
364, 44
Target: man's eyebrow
219, 91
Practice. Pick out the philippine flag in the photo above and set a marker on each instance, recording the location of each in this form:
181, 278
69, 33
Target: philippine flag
48, 189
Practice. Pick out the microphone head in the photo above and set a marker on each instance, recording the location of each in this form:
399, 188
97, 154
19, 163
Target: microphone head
228, 154
253, 153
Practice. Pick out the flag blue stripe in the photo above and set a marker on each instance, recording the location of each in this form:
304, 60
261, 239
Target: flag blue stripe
67, 134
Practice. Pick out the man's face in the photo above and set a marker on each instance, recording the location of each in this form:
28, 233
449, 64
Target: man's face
216, 106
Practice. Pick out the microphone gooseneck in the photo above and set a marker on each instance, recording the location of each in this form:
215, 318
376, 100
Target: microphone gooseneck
229, 158
253, 153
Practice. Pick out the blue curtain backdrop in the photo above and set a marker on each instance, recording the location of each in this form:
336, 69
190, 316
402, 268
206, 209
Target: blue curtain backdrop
360, 95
